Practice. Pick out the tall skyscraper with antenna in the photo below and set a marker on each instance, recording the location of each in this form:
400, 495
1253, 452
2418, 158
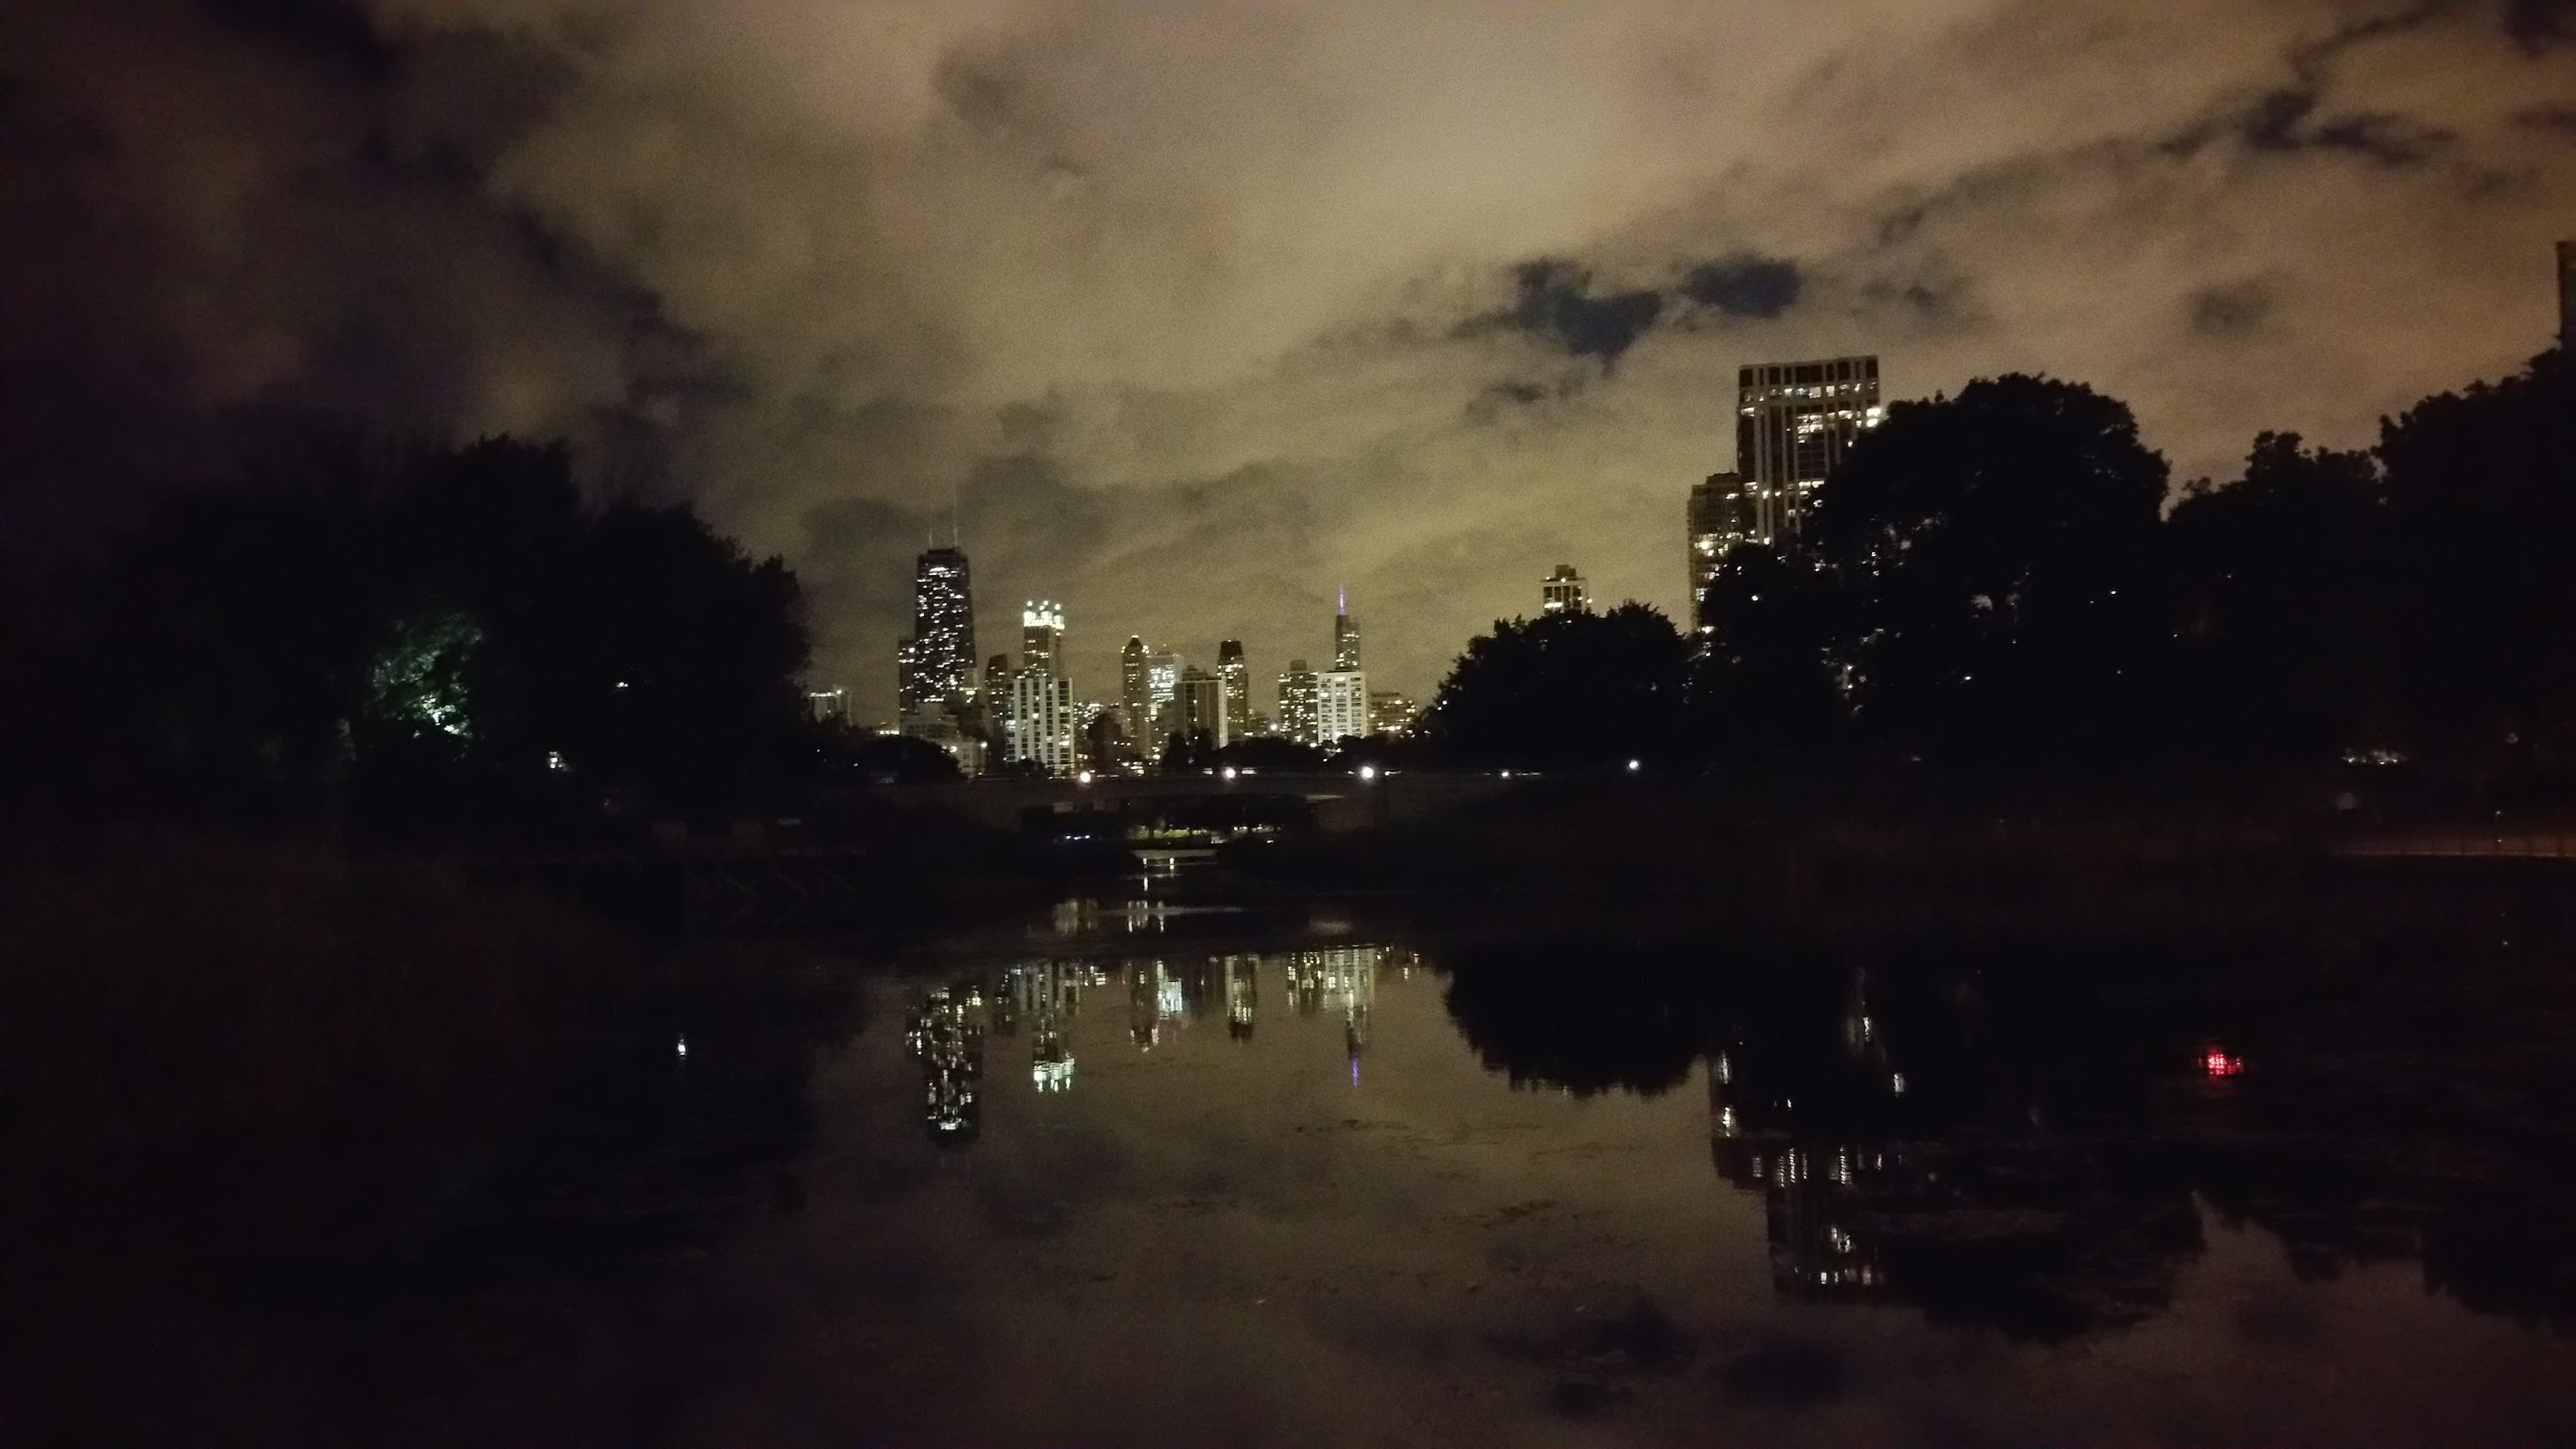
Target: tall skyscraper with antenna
1341, 692
935, 667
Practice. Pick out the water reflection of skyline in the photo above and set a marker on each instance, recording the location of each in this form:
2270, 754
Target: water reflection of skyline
1163, 997
1938, 1137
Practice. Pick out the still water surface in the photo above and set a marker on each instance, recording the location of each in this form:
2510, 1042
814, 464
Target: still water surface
1134, 1184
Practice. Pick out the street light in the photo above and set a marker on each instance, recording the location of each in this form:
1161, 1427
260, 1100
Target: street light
1367, 773
1634, 766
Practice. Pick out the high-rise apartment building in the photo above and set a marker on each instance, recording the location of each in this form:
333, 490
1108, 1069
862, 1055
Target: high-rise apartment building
1234, 681
1562, 592
1297, 703
1040, 723
1341, 706
1793, 423
1200, 707
935, 667
1391, 713
1042, 636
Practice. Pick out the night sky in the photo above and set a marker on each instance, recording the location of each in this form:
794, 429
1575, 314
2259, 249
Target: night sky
1201, 311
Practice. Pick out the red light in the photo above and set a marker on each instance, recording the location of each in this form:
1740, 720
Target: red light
2219, 1064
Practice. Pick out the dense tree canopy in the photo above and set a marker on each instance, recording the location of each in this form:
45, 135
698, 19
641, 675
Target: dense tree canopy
1994, 576
2482, 504
1991, 562
2279, 588
438, 631
1562, 690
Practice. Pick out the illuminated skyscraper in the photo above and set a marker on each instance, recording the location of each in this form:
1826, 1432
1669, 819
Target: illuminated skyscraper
1040, 724
1341, 692
1720, 518
1135, 691
1234, 681
936, 666
1562, 592
1341, 706
1793, 423
1162, 686
1297, 703
1042, 636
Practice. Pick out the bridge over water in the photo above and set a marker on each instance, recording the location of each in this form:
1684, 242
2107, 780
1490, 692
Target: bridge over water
1331, 801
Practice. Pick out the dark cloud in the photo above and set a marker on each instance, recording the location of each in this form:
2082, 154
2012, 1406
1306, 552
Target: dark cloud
1745, 285
2286, 120
2230, 309
1554, 301
2558, 119
2536, 25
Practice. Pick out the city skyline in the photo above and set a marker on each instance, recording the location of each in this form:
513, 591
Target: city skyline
1182, 354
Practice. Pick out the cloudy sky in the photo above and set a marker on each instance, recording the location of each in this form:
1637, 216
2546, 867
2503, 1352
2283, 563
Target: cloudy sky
1195, 312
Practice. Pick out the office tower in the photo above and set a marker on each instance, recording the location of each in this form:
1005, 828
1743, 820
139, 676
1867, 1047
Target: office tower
1201, 707
2567, 295
829, 706
935, 667
1135, 692
1346, 636
1562, 592
1719, 520
1040, 724
1341, 706
1042, 636
1297, 703
1391, 713
1793, 423
1234, 680
997, 680
1162, 685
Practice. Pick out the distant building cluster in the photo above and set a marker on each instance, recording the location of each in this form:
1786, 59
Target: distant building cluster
1026, 715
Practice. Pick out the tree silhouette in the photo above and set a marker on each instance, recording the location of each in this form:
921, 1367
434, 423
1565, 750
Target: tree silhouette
1563, 690
1764, 679
2482, 496
1992, 562
2279, 585
448, 635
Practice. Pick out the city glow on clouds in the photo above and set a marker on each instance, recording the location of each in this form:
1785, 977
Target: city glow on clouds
1197, 312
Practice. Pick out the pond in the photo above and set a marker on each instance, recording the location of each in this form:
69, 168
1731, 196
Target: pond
1160, 1178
